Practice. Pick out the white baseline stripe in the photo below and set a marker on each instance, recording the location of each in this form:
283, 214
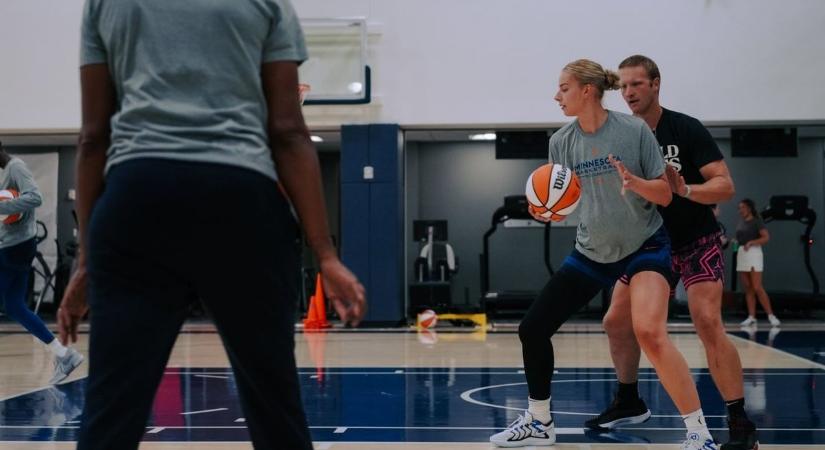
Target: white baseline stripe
188, 413
222, 377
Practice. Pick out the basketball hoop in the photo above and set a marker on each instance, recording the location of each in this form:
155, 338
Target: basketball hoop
303, 90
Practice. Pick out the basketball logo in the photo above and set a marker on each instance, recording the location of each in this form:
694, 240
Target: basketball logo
553, 191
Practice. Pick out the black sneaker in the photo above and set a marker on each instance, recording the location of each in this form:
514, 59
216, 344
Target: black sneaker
619, 414
742, 435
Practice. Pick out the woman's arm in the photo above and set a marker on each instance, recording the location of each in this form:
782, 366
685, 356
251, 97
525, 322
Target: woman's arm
656, 190
299, 172
98, 105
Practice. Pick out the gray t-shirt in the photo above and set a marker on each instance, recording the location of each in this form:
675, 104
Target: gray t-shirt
748, 230
612, 225
187, 74
18, 177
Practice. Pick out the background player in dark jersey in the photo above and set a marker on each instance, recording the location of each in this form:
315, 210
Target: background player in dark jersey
699, 178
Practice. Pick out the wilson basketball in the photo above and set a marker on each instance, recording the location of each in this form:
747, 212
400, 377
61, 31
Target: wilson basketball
553, 191
8, 194
427, 319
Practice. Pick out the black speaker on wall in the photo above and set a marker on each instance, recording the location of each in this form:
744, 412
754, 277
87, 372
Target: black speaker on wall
522, 144
763, 142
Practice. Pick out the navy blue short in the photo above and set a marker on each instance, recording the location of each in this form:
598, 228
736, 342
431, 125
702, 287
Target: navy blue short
653, 255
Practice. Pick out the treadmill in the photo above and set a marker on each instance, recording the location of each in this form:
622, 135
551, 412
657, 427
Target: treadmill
508, 304
795, 208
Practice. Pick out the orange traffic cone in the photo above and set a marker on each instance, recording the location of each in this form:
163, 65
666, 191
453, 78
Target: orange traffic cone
317, 315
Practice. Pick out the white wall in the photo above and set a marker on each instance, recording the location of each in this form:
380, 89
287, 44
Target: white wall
39, 51
460, 62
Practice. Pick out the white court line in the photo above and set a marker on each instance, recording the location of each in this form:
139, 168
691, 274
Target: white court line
189, 413
340, 430
467, 397
155, 430
222, 377
240, 420
799, 358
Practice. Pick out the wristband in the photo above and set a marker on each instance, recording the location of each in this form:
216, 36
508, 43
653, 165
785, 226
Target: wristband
687, 192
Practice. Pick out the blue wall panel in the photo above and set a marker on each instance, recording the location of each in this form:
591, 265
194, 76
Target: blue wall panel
355, 230
385, 254
355, 142
372, 216
385, 152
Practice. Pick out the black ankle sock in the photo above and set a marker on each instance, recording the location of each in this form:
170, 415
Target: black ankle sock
736, 408
628, 392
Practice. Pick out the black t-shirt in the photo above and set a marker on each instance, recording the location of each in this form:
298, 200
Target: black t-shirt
687, 146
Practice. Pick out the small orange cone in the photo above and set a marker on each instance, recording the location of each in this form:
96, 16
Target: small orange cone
317, 315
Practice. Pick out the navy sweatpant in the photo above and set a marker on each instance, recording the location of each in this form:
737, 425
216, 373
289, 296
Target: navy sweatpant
15, 266
163, 232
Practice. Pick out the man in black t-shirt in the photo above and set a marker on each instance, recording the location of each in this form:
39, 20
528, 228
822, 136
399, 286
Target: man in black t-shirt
699, 178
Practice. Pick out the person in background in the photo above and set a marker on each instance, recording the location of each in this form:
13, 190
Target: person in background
17, 249
751, 235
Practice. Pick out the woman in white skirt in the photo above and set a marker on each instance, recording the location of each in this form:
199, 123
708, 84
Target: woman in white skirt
751, 234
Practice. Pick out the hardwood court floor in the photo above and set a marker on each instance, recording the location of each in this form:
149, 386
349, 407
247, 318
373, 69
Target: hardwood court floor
423, 371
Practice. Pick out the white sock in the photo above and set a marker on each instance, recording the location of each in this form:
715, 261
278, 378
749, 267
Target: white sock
695, 423
540, 409
57, 348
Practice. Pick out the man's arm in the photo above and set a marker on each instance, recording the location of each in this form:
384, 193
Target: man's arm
717, 188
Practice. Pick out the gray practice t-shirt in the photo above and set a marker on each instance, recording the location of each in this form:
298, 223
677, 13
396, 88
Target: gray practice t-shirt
612, 225
748, 230
187, 74
18, 177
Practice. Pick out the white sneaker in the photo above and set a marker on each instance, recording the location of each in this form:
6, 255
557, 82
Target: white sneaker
748, 322
773, 320
65, 365
525, 431
696, 441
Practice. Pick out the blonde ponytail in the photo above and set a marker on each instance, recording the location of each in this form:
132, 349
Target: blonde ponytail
590, 72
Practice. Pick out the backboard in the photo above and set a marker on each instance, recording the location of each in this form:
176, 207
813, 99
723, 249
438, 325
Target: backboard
337, 68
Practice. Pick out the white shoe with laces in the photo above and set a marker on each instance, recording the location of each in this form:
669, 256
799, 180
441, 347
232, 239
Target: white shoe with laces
64, 366
773, 320
748, 322
524, 431
695, 441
